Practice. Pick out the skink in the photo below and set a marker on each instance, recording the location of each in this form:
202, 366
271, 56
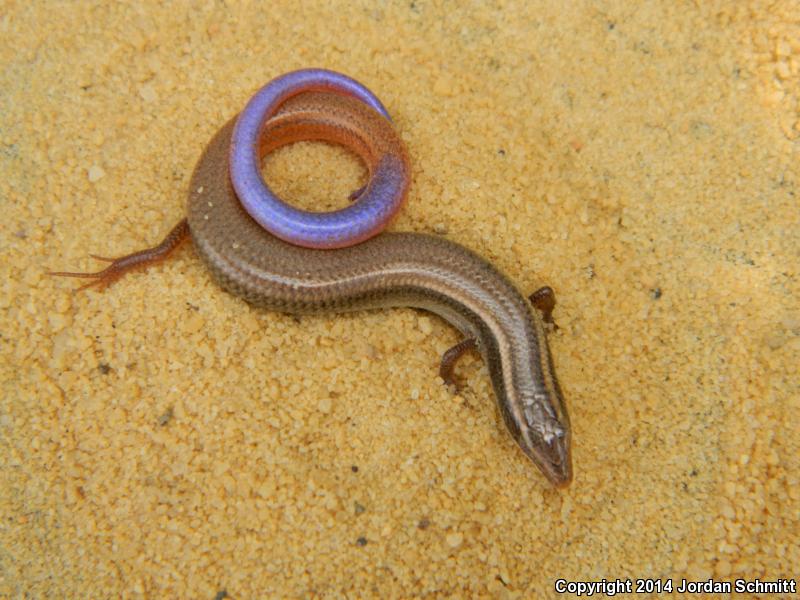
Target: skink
392, 269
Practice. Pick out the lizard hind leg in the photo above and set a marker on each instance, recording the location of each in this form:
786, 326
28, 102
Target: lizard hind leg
121, 265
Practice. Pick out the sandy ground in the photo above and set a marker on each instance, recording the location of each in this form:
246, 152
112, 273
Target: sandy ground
161, 439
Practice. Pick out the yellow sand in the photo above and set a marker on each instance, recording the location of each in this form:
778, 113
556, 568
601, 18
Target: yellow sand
164, 440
